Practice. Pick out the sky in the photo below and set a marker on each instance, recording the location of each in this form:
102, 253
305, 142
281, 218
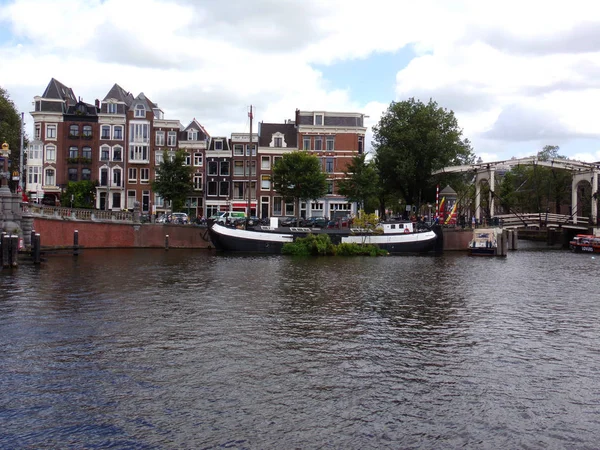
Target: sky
518, 75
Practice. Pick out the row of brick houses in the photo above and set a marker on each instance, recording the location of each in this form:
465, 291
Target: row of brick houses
120, 142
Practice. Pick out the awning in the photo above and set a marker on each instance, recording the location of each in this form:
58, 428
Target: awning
242, 205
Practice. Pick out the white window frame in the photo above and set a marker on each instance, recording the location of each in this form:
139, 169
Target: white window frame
171, 139
159, 138
140, 110
132, 175
51, 136
265, 162
238, 150
50, 152
144, 175
198, 160
114, 131
50, 180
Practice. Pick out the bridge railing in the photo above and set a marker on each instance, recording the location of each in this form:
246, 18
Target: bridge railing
539, 220
77, 213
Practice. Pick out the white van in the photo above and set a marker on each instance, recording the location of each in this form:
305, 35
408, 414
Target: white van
229, 216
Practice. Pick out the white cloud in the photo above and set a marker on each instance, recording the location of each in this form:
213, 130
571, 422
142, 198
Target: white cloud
518, 75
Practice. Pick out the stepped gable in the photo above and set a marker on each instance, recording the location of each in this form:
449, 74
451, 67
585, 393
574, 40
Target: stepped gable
290, 135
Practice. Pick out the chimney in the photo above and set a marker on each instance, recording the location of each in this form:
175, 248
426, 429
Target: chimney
97, 103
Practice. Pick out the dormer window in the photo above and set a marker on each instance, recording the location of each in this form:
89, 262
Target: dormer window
218, 145
111, 108
140, 111
277, 140
192, 135
319, 119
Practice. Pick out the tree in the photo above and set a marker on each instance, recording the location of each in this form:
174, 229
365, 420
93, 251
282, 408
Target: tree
411, 141
361, 182
173, 180
298, 176
82, 193
10, 129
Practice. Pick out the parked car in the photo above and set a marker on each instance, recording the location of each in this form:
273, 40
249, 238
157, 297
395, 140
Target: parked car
315, 222
289, 222
343, 222
178, 218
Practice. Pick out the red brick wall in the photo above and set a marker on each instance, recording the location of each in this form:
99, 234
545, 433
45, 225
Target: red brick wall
59, 232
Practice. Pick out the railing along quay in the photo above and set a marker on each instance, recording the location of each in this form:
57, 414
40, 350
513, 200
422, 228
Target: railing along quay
78, 213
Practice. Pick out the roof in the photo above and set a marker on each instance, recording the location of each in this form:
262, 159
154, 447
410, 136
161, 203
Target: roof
119, 94
194, 124
448, 191
288, 130
57, 90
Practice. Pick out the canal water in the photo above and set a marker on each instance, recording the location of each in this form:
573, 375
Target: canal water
188, 349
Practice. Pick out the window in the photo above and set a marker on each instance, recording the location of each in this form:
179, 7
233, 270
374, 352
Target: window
144, 175
118, 132
172, 138
34, 175
276, 158
38, 131
198, 159
212, 188
319, 120
219, 145
73, 152
116, 200
50, 131
117, 153
238, 150
329, 165
289, 209
248, 150
224, 188
111, 108
139, 132
197, 181
34, 152
132, 174
50, 177
329, 187
318, 143
277, 206
158, 157
87, 131
86, 174
116, 177
50, 153
265, 163
130, 199
159, 138
104, 153
140, 111
265, 182
278, 142
72, 174
238, 190
330, 143
105, 132
253, 168
238, 167
188, 160
158, 201
306, 143
86, 152
361, 145
192, 135
225, 168
74, 131
138, 153
212, 168
104, 177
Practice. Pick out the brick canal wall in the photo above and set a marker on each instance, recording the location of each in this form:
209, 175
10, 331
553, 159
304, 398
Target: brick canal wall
57, 232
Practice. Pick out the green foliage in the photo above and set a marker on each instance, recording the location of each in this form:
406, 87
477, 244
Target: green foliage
361, 183
312, 244
10, 130
298, 176
321, 245
82, 192
344, 249
173, 180
412, 140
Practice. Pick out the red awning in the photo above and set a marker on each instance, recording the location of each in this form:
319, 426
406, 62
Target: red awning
242, 205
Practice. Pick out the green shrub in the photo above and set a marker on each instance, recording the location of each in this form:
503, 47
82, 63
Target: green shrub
320, 244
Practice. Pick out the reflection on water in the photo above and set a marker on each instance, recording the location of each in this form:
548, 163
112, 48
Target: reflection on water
188, 349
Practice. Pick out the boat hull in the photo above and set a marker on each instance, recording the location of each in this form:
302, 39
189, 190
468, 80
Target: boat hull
228, 239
